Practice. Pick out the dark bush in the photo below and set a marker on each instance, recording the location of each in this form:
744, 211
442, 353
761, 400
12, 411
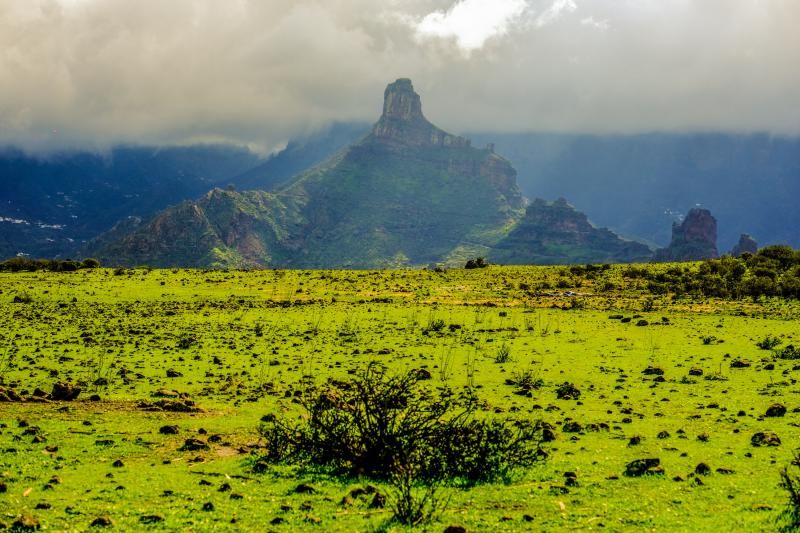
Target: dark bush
790, 481
380, 425
480, 262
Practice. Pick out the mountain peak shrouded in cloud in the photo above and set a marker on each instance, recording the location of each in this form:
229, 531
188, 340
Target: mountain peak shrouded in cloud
93, 73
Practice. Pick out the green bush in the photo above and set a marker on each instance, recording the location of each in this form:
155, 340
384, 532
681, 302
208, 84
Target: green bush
380, 425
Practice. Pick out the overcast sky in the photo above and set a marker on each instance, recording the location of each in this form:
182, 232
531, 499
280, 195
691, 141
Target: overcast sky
88, 73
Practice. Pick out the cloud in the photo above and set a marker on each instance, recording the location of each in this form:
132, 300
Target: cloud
89, 73
471, 22
594, 23
555, 11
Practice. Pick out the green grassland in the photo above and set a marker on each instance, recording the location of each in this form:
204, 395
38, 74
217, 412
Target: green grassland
244, 344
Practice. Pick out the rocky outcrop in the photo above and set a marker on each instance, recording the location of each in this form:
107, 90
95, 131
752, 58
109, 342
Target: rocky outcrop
556, 233
694, 239
402, 120
746, 245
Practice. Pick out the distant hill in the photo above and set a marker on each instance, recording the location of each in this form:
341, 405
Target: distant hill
48, 206
556, 233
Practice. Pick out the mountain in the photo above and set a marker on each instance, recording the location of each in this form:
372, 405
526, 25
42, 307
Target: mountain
300, 155
50, 205
693, 239
407, 193
636, 185
555, 233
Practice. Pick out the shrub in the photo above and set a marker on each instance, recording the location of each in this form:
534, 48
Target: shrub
381, 425
503, 354
769, 342
790, 481
480, 262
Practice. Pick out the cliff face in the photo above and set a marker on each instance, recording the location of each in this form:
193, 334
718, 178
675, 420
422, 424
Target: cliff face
402, 121
694, 239
556, 233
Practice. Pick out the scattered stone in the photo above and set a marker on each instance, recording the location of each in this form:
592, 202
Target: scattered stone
568, 391
702, 469
102, 521
193, 445
64, 392
378, 501
765, 438
775, 410
644, 467
304, 488
25, 522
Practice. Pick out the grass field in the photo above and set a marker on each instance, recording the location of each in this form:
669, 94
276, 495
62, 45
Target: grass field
243, 344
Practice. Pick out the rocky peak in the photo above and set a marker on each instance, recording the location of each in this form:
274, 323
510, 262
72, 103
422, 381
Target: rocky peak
402, 121
692, 240
400, 102
746, 245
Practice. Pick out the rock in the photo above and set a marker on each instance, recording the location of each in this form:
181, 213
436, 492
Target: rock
740, 363
765, 438
168, 430
193, 445
725, 471
775, 410
568, 391
151, 519
455, 529
746, 245
173, 373
64, 392
644, 467
702, 469
572, 427
102, 521
663, 435
25, 522
423, 374
277, 521
694, 239
304, 488
696, 372
208, 506
378, 501
118, 463
653, 371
